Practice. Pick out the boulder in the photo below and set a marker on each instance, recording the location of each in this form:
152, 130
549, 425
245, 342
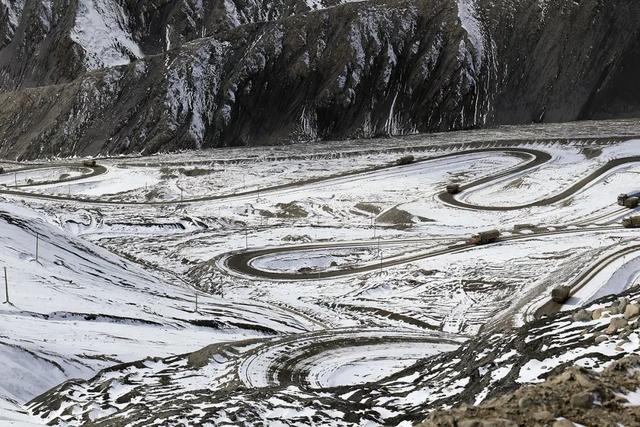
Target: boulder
542, 416
622, 303
582, 400
560, 294
581, 316
601, 338
597, 313
470, 423
631, 311
526, 402
615, 324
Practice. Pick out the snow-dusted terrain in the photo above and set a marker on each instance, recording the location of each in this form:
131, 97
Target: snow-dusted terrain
333, 285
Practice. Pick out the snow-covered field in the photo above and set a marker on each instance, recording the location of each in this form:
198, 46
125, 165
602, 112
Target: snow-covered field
333, 268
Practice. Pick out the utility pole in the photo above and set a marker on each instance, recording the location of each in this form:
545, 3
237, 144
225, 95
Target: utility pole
196, 301
37, 241
380, 262
15, 179
246, 237
6, 287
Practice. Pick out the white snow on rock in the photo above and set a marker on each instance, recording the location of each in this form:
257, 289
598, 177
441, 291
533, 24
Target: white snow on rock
467, 15
102, 30
76, 309
13, 10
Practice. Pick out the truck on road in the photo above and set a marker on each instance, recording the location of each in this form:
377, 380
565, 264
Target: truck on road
631, 221
631, 202
453, 188
484, 237
621, 198
405, 160
628, 201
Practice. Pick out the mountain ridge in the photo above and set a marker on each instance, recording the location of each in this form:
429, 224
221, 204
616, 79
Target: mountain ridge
358, 70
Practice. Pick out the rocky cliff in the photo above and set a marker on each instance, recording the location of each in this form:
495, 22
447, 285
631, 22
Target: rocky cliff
118, 76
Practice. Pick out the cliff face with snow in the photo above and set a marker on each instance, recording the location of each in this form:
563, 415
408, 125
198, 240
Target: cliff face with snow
112, 76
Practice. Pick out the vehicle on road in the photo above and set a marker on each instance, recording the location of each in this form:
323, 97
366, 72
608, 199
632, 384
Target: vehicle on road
484, 237
631, 202
560, 294
520, 227
406, 160
631, 221
89, 163
453, 188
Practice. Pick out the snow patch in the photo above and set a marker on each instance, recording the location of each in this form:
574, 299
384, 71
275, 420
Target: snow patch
102, 30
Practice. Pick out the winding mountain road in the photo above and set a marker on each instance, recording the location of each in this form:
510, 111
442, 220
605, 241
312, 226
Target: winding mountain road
242, 262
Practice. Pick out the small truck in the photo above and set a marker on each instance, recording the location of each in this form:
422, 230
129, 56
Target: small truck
628, 201
484, 237
621, 198
89, 163
631, 202
453, 188
631, 222
405, 160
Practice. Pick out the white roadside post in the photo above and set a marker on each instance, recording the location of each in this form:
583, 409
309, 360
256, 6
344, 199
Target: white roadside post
6, 287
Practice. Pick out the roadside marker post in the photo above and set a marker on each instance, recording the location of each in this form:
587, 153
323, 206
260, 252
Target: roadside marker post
6, 287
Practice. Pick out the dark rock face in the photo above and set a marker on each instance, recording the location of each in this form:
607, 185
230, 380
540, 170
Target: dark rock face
117, 76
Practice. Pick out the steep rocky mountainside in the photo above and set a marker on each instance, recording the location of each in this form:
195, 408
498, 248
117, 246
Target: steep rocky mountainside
116, 76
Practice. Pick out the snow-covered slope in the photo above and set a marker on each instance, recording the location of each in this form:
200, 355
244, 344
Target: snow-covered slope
153, 391
412, 318
77, 308
102, 29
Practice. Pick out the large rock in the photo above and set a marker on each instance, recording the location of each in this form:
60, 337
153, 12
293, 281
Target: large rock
597, 313
560, 294
582, 316
582, 400
615, 324
563, 423
631, 311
